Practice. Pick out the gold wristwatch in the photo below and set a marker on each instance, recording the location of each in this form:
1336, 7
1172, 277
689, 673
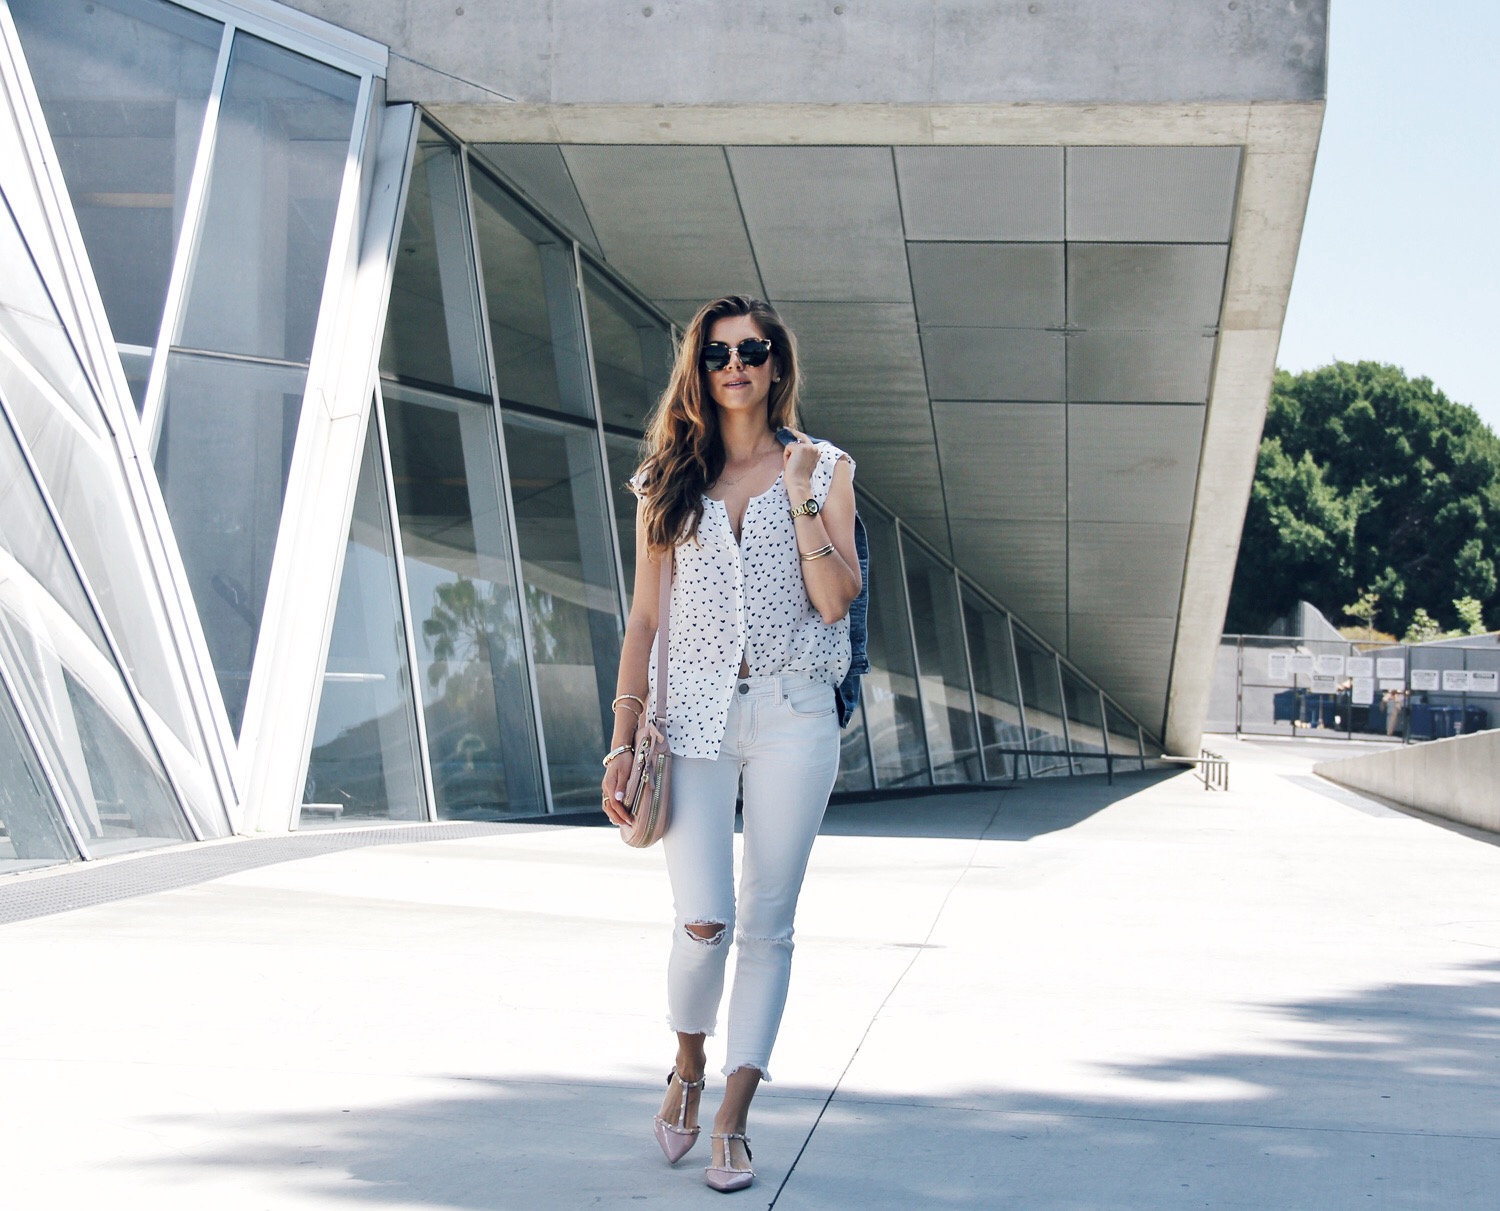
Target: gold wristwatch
808, 508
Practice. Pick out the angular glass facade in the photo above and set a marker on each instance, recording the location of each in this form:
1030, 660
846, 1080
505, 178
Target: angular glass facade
211, 167
125, 85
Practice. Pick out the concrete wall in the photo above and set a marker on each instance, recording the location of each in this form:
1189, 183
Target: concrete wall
1458, 779
696, 52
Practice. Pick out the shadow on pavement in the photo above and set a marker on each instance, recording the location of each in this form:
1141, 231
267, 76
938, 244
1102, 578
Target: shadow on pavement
1382, 1098
1026, 810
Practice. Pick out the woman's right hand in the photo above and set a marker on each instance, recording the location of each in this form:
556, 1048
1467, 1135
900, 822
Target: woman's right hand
616, 775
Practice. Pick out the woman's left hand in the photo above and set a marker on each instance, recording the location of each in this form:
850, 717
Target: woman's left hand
799, 460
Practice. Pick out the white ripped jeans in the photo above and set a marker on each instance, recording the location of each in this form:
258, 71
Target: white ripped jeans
782, 737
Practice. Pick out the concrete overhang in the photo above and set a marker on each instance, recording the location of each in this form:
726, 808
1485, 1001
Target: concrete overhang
1038, 255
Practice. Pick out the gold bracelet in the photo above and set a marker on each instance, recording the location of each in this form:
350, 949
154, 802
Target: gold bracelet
627, 699
818, 554
613, 753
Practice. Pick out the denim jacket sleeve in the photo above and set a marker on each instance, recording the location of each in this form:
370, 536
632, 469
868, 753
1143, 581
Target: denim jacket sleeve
859, 614
859, 617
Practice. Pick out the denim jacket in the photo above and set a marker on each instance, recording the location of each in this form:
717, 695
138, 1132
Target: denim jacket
859, 614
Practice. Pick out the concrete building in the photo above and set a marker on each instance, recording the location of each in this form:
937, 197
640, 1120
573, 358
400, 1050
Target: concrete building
327, 331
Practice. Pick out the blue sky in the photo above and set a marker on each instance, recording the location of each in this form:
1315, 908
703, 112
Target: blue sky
1400, 258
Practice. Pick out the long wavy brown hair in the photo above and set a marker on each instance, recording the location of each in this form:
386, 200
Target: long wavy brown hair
684, 452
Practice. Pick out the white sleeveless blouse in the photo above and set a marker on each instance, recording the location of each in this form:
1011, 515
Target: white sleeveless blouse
748, 598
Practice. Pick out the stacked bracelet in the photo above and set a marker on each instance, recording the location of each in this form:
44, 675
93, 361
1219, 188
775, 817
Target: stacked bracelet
818, 554
627, 699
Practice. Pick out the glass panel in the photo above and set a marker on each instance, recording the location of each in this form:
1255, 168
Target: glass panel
530, 288
365, 760
433, 333
944, 683
31, 832
1036, 668
84, 482
1085, 721
31, 326
854, 756
273, 187
68, 684
995, 690
892, 712
123, 86
1124, 737
624, 458
222, 459
632, 354
460, 582
570, 595
79, 464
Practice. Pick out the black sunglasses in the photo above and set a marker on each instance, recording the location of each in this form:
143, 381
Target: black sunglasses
753, 351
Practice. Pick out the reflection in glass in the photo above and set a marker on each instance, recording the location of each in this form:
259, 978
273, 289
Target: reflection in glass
892, 711
1036, 669
944, 681
632, 354
460, 584
68, 684
995, 693
433, 333
222, 460
273, 187
1124, 737
365, 759
624, 458
1085, 721
854, 756
570, 595
32, 328
83, 482
530, 289
31, 832
123, 86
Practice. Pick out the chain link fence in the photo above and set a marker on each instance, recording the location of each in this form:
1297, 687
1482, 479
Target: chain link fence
1278, 685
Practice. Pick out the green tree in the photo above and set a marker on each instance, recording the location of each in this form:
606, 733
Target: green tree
1369, 482
1364, 610
1471, 615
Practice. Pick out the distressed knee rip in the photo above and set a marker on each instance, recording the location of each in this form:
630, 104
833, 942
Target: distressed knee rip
706, 933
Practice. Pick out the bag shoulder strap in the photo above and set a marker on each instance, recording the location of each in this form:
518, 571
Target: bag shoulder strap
663, 614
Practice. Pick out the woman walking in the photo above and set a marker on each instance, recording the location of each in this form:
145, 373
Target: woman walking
761, 539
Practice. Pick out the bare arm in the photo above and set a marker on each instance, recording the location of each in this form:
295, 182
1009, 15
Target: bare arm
635, 659
833, 582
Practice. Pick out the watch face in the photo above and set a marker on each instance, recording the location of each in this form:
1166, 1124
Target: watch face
811, 508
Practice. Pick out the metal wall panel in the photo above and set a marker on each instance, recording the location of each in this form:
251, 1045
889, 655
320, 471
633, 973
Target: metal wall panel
1003, 462
981, 193
1133, 462
1171, 194
994, 363
1129, 657
988, 285
1133, 569
1023, 563
825, 221
1156, 286
862, 363
1142, 367
667, 218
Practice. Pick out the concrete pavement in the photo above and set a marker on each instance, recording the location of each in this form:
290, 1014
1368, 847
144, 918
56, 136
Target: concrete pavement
1062, 996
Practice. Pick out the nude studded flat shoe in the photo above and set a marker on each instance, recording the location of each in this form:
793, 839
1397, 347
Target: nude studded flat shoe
726, 1178
677, 1139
